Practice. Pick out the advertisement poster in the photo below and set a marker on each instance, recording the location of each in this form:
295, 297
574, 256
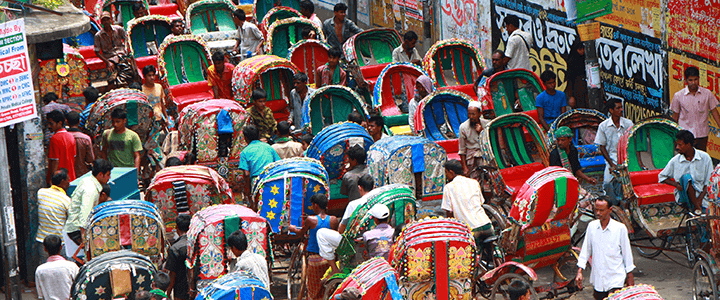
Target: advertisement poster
590, 9
709, 79
643, 16
17, 99
693, 27
632, 68
403, 15
553, 34
459, 19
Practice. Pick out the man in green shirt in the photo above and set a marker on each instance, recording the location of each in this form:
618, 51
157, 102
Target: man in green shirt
255, 156
120, 145
84, 198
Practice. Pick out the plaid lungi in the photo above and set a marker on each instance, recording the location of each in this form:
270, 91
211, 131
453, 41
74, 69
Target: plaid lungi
316, 268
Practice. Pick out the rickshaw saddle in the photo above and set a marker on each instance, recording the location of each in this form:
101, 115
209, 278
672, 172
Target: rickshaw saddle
649, 190
515, 177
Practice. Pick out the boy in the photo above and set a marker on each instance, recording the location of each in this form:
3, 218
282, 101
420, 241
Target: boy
255, 156
54, 278
298, 95
262, 115
550, 103
331, 73
519, 290
62, 150
104, 194
379, 240
159, 285
247, 260
220, 76
177, 28
250, 39
120, 145
284, 145
305, 140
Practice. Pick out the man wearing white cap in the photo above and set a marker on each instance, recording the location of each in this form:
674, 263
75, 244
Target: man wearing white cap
463, 199
469, 140
379, 240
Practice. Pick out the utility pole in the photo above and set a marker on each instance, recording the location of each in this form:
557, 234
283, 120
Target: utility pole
8, 240
592, 68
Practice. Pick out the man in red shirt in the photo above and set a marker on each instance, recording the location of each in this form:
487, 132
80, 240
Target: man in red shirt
220, 76
61, 153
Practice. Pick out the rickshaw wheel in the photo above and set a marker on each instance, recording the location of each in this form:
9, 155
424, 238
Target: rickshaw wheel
330, 286
566, 267
704, 284
660, 242
499, 222
500, 287
481, 289
296, 273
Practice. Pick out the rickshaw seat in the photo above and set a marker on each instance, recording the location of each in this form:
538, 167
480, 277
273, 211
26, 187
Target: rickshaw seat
372, 72
168, 10
515, 177
451, 148
189, 93
93, 62
649, 190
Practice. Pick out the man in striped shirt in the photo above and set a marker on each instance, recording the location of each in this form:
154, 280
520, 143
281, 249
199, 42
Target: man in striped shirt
53, 204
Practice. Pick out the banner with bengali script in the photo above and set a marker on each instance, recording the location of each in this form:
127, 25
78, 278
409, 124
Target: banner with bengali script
17, 97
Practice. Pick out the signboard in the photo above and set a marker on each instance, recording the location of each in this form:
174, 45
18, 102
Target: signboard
642, 16
589, 32
17, 97
590, 9
693, 27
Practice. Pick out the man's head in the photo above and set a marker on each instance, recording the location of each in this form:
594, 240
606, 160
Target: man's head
119, 119
73, 118
53, 244
308, 33
563, 136
259, 97
340, 10
182, 223
473, 112
356, 118
55, 120
91, 95
177, 27
161, 281
173, 161
615, 107
101, 170
305, 140
423, 86
380, 213
356, 155
548, 78
251, 133
283, 128
104, 193
685, 141
307, 8
375, 125
334, 55
453, 168
692, 78
106, 20
512, 23
219, 62
319, 201
365, 184
150, 73
49, 97
60, 178
518, 290
139, 10
603, 208
410, 39
239, 17
300, 81
499, 60
237, 242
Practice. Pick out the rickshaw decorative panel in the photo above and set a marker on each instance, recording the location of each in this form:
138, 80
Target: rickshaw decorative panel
331, 144
285, 33
375, 279
70, 71
147, 33
112, 275
198, 129
183, 59
453, 62
132, 224
549, 194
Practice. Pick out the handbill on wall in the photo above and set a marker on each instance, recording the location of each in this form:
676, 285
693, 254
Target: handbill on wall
709, 79
403, 15
693, 26
632, 68
17, 99
553, 34
459, 19
643, 16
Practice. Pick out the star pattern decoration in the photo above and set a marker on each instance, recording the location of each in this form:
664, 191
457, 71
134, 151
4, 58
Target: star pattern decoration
140, 279
265, 298
271, 215
99, 290
274, 190
273, 203
316, 188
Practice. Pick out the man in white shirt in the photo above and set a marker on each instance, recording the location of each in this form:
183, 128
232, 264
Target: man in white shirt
365, 185
249, 36
518, 44
247, 260
54, 278
608, 135
328, 240
689, 172
407, 52
463, 199
607, 243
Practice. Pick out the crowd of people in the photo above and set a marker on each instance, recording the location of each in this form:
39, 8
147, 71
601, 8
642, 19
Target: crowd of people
71, 154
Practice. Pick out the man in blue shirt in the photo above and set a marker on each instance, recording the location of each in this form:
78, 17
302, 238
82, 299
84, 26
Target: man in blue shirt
91, 95
550, 103
254, 157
